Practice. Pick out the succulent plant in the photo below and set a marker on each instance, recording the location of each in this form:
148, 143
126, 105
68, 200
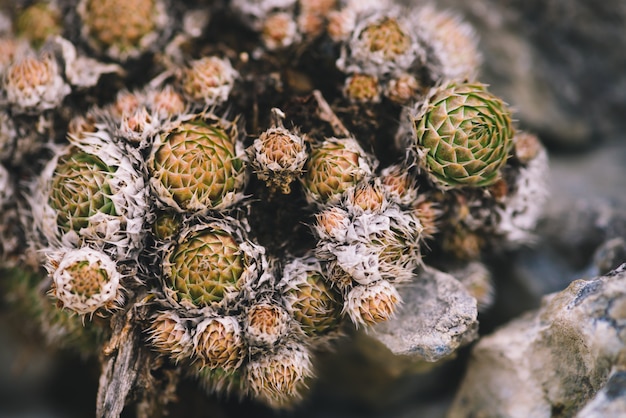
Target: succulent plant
34, 84
122, 29
279, 378
39, 21
266, 323
369, 237
170, 335
277, 157
136, 204
219, 344
195, 166
166, 225
206, 267
210, 264
310, 297
451, 44
91, 193
165, 102
372, 303
403, 88
81, 187
463, 135
85, 280
362, 88
279, 31
208, 80
399, 185
334, 166
382, 42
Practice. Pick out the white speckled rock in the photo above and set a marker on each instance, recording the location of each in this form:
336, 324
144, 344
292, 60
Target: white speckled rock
437, 317
552, 362
610, 401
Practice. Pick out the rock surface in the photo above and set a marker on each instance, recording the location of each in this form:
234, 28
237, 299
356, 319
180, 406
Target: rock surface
611, 400
437, 317
551, 362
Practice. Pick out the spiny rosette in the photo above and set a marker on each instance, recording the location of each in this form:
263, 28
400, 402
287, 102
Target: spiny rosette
170, 334
278, 378
197, 165
208, 81
313, 16
399, 184
218, 343
86, 173
85, 280
362, 88
139, 116
451, 44
342, 22
91, 193
400, 245
333, 167
332, 223
368, 236
382, 42
38, 22
165, 102
368, 196
403, 88
210, 264
371, 304
33, 84
310, 297
266, 322
279, 31
463, 135
277, 157
123, 29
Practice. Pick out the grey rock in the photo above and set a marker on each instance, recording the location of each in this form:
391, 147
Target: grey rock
610, 255
437, 317
478, 281
578, 238
551, 362
610, 401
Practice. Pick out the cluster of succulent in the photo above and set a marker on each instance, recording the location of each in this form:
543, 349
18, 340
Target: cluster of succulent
241, 181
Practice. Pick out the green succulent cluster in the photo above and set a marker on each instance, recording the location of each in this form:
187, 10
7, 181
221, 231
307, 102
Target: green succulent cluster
333, 167
465, 135
147, 219
205, 267
196, 167
80, 189
316, 305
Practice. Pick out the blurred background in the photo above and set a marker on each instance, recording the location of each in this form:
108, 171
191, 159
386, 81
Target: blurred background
561, 65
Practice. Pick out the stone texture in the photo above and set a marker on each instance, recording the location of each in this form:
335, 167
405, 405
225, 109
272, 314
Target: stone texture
610, 401
437, 317
551, 362
577, 238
